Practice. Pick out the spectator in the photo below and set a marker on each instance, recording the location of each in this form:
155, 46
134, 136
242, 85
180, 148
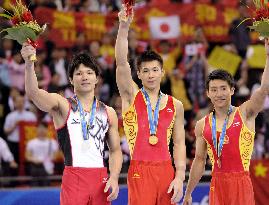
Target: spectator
11, 126
59, 65
6, 155
16, 70
42, 71
240, 34
196, 66
40, 153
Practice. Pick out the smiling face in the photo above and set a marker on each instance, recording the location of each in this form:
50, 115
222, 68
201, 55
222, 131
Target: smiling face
84, 79
220, 93
151, 73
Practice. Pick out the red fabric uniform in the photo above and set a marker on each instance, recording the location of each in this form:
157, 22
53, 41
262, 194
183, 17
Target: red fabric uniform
84, 186
148, 183
231, 184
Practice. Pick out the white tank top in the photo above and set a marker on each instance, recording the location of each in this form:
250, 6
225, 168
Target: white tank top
77, 151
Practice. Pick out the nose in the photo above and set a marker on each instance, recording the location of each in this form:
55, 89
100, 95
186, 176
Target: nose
84, 76
218, 93
151, 74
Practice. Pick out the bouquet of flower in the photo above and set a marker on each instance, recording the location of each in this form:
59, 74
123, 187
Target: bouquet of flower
24, 28
129, 6
260, 18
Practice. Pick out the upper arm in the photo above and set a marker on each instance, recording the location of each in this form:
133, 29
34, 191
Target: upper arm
114, 138
127, 87
49, 102
179, 131
201, 148
5, 152
8, 123
254, 105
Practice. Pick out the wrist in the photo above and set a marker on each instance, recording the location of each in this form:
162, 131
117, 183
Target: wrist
114, 176
124, 24
180, 175
29, 64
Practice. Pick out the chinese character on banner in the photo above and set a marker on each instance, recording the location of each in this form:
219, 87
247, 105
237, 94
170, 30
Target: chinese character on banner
259, 171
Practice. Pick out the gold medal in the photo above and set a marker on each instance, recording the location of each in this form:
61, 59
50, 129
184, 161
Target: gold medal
219, 163
153, 140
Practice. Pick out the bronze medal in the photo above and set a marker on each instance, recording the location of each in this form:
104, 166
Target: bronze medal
153, 140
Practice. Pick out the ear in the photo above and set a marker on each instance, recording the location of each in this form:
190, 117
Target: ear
71, 81
232, 91
207, 93
163, 72
97, 79
138, 74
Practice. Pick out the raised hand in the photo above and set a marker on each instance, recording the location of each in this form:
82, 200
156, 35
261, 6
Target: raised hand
123, 17
27, 51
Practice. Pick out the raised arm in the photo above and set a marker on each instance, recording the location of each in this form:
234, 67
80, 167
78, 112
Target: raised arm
254, 105
179, 154
198, 165
47, 102
126, 85
115, 155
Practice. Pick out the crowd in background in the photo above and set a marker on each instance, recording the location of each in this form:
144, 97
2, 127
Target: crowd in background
185, 64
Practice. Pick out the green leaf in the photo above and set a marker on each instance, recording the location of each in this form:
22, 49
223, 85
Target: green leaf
8, 37
262, 27
6, 16
20, 34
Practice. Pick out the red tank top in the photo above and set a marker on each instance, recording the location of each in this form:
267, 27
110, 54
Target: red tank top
237, 148
136, 127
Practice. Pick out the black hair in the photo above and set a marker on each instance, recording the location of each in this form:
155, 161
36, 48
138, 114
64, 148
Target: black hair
42, 124
148, 56
220, 74
85, 59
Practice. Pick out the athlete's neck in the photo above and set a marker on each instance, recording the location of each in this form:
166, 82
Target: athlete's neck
153, 93
221, 112
86, 99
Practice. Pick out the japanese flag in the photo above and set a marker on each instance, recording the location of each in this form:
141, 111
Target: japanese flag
165, 27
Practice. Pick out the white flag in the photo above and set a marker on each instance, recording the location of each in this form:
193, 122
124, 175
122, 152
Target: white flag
165, 27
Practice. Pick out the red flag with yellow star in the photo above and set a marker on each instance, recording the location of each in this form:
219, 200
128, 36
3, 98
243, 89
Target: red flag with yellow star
259, 171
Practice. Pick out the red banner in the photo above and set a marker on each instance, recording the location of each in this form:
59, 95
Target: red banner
215, 20
259, 170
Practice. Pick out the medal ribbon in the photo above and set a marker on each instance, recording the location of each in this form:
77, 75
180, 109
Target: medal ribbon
153, 122
219, 146
84, 125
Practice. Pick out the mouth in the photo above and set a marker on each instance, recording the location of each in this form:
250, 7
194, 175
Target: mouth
151, 81
85, 84
220, 100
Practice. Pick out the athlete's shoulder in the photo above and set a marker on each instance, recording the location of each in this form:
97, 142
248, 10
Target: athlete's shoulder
199, 127
177, 104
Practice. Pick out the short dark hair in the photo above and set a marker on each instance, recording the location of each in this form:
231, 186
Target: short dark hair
220, 74
85, 59
148, 56
42, 124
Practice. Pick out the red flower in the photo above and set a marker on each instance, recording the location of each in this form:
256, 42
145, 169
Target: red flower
27, 16
129, 4
15, 20
261, 13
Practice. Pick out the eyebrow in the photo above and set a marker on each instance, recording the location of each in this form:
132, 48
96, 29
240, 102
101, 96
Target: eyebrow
222, 86
151, 68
